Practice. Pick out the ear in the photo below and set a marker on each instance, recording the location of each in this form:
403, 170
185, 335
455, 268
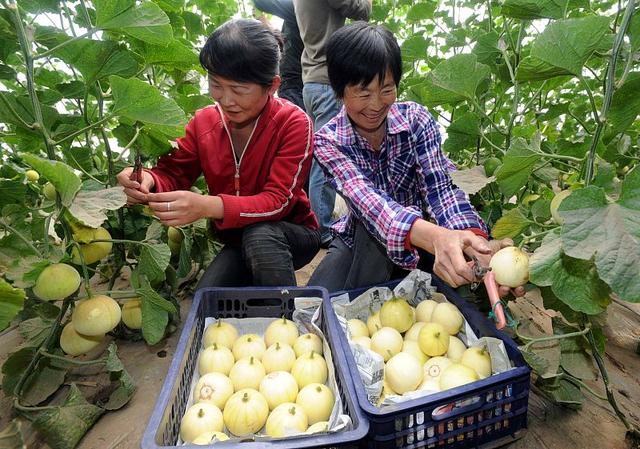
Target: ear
275, 84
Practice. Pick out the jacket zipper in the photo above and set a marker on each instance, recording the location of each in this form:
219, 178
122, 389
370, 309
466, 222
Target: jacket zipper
236, 177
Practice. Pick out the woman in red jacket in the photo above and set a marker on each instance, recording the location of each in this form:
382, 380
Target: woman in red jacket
255, 153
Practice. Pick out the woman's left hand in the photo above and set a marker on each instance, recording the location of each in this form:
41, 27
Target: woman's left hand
484, 259
180, 207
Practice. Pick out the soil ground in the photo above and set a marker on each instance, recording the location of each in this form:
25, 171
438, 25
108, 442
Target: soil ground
550, 427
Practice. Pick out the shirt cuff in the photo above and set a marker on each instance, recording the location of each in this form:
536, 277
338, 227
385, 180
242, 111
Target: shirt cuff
399, 253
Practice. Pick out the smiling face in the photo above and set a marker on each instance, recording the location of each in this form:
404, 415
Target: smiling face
241, 102
368, 106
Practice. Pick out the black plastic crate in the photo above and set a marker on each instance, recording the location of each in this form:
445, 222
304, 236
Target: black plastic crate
497, 418
164, 425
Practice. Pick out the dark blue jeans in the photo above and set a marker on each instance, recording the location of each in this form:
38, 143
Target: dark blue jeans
364, 265
268, 255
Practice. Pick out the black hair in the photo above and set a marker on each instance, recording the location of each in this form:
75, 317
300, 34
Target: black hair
358, 52
243, 50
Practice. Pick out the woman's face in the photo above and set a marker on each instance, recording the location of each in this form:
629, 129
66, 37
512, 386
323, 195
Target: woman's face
367, 106
241, 102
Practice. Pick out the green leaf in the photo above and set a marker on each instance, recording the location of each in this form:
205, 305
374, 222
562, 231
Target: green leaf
11, 436
25, 271
551, 302
11, 191
575, 282
634, 32
40, 6
191, 103
89, 207
471, 180
11, 302
185, 262
144, 21
176, 55
540, 9
139, 101
80, 158
155, 313
517, 166
98, 59
154, 259
562, 392
59, 174
13, 368
421, 11
7, 73
538, 363
608, 233
415, 48
46, 378
126, 386
64, 426
486, 48
625, 106
563, 48
35, 331
467, 123
454, 80
510, 225
575, 360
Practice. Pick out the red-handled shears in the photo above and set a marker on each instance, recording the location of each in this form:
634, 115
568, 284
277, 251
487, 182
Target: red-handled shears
490, 284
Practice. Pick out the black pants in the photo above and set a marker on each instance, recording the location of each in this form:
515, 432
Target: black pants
269, 254
364, 265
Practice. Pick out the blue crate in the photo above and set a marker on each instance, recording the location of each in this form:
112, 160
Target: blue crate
497, 418
164, 425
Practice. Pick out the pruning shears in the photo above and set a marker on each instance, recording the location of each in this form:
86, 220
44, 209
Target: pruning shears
489, 280
136, 175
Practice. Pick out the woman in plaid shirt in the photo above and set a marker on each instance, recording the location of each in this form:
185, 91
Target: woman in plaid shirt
386, 160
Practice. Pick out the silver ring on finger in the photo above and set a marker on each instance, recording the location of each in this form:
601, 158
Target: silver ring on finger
168, 206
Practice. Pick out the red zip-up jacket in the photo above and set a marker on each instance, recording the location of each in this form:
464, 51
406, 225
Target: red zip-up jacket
265, 184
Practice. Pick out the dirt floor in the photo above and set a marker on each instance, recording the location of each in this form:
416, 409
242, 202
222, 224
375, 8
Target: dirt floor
550, 426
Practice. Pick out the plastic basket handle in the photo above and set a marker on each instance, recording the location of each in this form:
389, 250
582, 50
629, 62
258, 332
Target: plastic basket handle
454, 412
494, 298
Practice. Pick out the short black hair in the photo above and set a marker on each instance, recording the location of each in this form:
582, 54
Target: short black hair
358, 52
243, 50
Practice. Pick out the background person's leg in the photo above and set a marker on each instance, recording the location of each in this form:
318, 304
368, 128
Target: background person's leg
371, 265
322, 105
334, 268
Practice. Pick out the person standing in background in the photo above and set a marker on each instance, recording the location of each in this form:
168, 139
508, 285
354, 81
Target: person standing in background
290, 65
317, 21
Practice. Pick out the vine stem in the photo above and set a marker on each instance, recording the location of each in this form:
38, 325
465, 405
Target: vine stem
20, 236
15, 113
83, 130
28, 59
71, 361
605, 374
533, 341
528, 238
85, 272
63, 44
45, 344
609, 88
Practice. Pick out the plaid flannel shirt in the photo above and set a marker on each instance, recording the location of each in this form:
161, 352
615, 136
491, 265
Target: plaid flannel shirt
388, 190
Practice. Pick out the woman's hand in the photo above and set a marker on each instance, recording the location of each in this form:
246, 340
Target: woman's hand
182, 207
136, 191
448, 248
484, 259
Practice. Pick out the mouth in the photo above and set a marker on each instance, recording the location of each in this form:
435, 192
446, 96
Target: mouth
374, 117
